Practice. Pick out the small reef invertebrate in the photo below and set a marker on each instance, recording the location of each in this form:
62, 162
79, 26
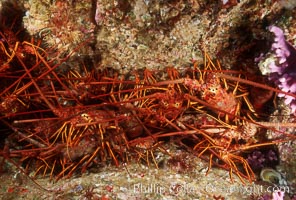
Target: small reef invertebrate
271, 176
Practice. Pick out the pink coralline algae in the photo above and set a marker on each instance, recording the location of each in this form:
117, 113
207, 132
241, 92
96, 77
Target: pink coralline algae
260, 159
283, 71
278, 195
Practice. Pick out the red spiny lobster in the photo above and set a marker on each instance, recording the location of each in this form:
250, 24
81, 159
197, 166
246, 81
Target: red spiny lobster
88, 121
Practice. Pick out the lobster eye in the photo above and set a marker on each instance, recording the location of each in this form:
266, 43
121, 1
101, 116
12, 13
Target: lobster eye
165, 104
213, 90
85, 116
177, 104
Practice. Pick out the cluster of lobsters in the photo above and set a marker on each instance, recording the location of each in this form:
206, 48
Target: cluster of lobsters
58, 121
